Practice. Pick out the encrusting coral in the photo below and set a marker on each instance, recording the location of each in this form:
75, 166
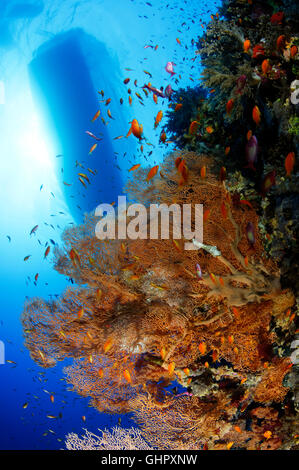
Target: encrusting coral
143, 316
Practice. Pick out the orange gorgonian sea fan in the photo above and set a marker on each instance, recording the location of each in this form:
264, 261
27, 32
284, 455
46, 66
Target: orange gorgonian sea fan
142, 316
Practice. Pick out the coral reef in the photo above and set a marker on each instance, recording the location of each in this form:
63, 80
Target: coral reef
142, 317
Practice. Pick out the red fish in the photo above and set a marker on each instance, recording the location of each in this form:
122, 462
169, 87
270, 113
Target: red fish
277, 18
229, 106
268, 182
289, 163
258, 50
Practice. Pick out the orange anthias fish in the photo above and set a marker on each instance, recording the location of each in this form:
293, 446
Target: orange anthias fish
256, 115
209, 129
193, 127
178, 107
96, 116
92, 149
74, 256
266, 67
47, 251
171, 367
158, 118
294, 51
134, 167
153, 171
127, 376
136, 129
183, 170
280, 43
246, 45
202, 348
289, 163
108, 345
229, 106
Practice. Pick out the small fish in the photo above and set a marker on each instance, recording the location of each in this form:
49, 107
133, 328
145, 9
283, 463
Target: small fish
227, 150
277, 18
229, 106
27, 257
25, 406
267, 434
202, 348
250, 233
126, 81
171, 367
256, 115
92, 135
289, 163
34, 229
109, 114
209, 129
198, 271
52, 398
251, 152
96, 116
246, 45
169, 68
268, 182
153, 171
108, 345
168, 92
294, 51
92, 149
266, 67
134, 167
158, 118
193, 127
178, 106
127, 376
280, 43
163, 353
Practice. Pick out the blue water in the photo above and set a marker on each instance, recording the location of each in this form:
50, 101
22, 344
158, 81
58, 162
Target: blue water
54, 58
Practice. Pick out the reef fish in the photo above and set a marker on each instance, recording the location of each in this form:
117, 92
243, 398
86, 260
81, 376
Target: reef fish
169, 68
251, 152
256, 115
289, 163
250, 233
168, 92
229, 106
268, 182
